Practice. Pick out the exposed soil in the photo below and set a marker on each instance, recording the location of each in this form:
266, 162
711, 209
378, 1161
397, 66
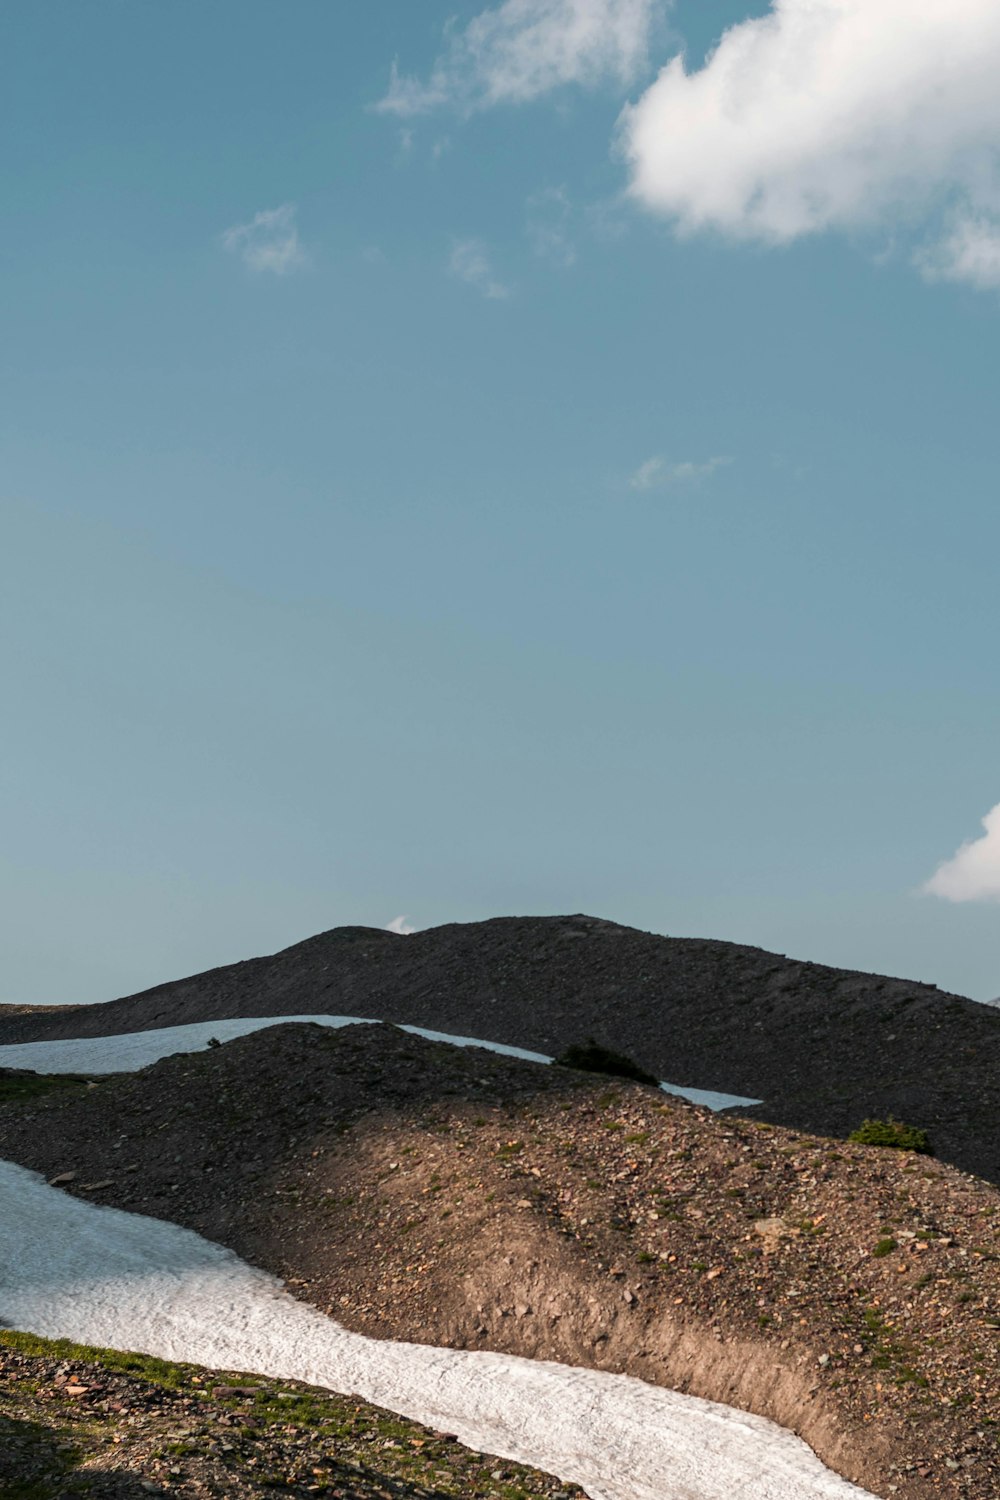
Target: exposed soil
94, 1423
825, 1048
420, 1191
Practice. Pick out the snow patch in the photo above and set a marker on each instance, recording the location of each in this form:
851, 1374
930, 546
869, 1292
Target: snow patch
137, 1049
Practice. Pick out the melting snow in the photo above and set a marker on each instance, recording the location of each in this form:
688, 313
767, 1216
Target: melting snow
70, 1269
136, 1049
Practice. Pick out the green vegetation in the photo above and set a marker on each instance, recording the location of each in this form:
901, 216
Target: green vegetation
591, 1057
15, 1087
891, 1352
174, 1377
892, 1133
507, 1149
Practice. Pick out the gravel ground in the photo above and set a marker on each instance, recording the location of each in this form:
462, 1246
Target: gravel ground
823, 1047
449, 1195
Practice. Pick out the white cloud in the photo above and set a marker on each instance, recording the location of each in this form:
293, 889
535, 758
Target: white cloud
656, 472
521, 49
470, 262
973, 874
401, 926
969, 251
270, 242
835, 114
548, 226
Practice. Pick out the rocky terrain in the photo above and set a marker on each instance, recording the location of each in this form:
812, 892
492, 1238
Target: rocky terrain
824, 1048
420, 1191
107, 1426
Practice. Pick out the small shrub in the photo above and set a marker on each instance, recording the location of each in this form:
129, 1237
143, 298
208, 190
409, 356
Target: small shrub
591, 1057
884, 1247
892, 1133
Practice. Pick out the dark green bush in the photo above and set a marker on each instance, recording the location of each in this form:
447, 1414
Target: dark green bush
893, 1133
591, 1057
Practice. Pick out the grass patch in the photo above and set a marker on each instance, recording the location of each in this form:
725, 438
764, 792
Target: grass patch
144, 1366
17, 1087
892, 1133
509, 1149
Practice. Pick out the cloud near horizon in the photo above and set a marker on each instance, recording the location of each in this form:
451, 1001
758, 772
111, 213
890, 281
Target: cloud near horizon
835, 115
269, 242
656, 472
400, 926
521, 49
973, 873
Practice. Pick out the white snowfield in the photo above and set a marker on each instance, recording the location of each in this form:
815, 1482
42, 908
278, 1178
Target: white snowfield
69, 1269
136, 1049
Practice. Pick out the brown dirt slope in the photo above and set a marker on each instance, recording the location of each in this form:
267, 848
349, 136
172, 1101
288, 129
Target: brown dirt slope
823, 1047
426, 1192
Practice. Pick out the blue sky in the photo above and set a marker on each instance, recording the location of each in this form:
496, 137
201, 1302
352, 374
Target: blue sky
523, 481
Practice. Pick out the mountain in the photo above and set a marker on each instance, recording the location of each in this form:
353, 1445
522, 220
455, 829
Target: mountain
824, 1048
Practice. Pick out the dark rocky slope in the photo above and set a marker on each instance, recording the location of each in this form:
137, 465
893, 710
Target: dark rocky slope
823, 1047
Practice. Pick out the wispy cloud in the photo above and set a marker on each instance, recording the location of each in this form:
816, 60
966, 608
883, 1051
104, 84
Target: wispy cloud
841, 116
470, 262
521, 49
657, 473
269, 242
968, 251
548, 217
401, 926
973, 873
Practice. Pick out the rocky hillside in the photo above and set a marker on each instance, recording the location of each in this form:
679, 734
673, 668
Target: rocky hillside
823, 1047
447, 1195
